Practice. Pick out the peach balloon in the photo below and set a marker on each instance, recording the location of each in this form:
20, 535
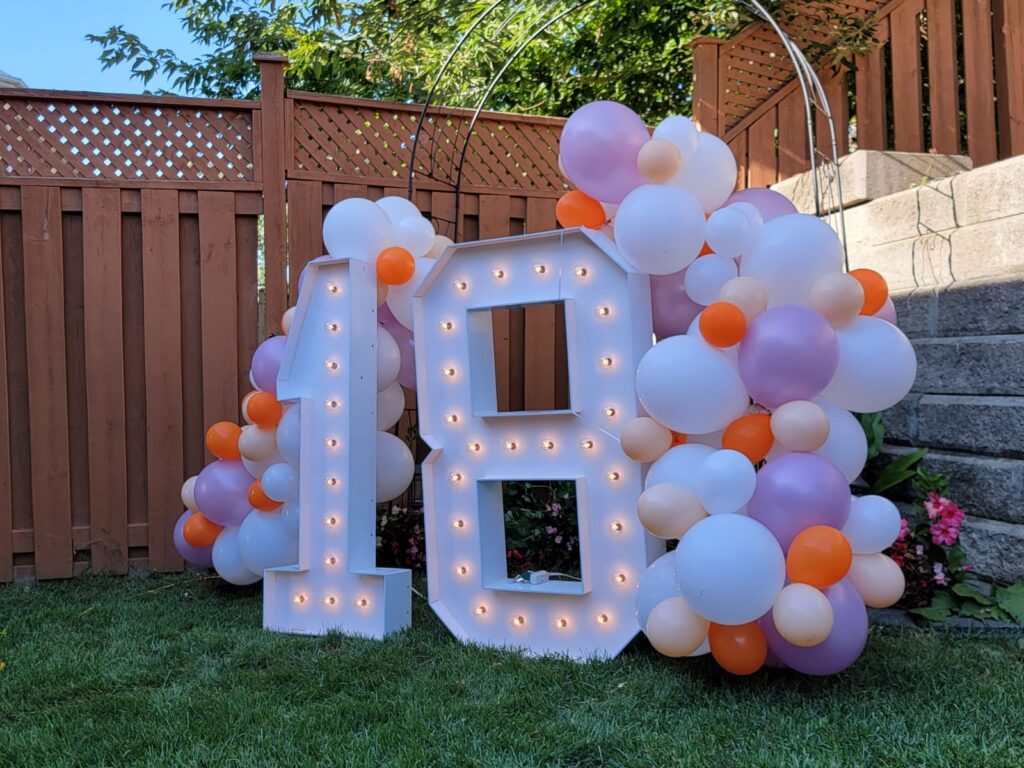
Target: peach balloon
803, 615
188, 493
675, 629
878, 578
286, 320
747, 293
800, 425
257, 443
644, 439
440, 243
838, 298
659, 160
668, 511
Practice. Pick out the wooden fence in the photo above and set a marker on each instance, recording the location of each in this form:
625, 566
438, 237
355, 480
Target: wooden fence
942, 75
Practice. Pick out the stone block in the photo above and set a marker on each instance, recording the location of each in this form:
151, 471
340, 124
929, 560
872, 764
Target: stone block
979, 307
917, 311
986, 249
972, 365
977, 424
901, 420
994, 548
990, 192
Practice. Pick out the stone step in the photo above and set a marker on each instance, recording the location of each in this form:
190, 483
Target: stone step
991, 425
971, 365
984, 307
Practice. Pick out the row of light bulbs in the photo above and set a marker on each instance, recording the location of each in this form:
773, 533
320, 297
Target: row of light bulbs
463, 570
548, 445
613, 476
615, 526
519, 619
498, 273
300, 598
448, 325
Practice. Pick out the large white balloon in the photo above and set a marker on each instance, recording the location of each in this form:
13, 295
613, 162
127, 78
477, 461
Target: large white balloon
281, 482
395, 466
290, 516
659, 229
706, 276
398, 208
726, 482
877, 366
389, 359
681, 466
657, 583
357, 229
732, 230
227, 559
690, 387
710, 174
873, 524
288, 433
790, 254
264, 541
846, 445
256, 443
680, 131
258, 468
390, 406
730, 568
400, 296
415, 234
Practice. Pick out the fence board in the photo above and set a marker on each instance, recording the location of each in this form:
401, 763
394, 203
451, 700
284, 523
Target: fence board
905, 42
540, 335
793, 147
872, 119
104, 385
6, 516
979, 89
305, 240
761, 151
246, 267
738, 146
47, 381
162, 311
1008, 22
943, 87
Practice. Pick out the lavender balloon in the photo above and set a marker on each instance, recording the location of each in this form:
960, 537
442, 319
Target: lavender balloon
266, 362
798, 490
196, 555
671, 308
222, 492
406, 346
599, 146
887, 312
770, 203
788, 353
840, 649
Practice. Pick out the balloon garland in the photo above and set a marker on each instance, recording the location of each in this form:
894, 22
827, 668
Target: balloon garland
765, 348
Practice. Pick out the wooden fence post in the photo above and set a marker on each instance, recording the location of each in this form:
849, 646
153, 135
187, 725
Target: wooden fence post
705, 84
274, 154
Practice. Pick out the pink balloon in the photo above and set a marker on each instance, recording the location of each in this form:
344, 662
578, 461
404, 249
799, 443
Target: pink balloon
770, 203
887, 312
599, 146
406, 346
671, 308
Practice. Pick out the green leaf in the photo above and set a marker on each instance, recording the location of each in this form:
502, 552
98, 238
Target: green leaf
933, 612
971, 593
1011, 600
897, 471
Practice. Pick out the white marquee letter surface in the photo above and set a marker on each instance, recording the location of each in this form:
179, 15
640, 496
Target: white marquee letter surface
330, 371
475, 448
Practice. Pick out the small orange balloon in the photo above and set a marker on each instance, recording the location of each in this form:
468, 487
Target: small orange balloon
222, 440
575, 209
876, 290
678, 438
819, 556
200, 531
264, 410
723, 324
751, 435
705, 250
740, 649
395, 266
259, 500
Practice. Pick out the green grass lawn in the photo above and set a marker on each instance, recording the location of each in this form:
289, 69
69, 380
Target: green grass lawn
175, 670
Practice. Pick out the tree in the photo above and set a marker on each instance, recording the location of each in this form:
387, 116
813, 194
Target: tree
635, 52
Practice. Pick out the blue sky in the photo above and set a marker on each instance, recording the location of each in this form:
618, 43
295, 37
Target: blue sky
43, 42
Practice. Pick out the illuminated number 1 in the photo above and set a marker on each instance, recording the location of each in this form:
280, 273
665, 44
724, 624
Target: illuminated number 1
475, 447
330, 370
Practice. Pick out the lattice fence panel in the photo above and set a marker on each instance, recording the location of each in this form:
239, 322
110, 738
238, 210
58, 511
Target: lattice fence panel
113, 140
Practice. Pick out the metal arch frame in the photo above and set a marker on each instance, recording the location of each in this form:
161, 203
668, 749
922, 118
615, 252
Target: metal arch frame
810, 85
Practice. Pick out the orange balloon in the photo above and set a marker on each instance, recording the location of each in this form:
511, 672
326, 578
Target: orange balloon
723, 324
200, 531
259, 500
395, 266
705, 250
740, 649
575, 209
751, 435
876, 290
819, 556
678, 438
264, 410
222, 440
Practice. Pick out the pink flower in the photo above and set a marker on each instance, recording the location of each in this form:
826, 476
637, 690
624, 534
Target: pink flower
933, 506
945, 532
904, 529
551, 529
940, 575
558, 539
556, 507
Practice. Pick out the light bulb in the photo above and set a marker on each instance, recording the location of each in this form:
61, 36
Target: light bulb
548, 445
459, 523
540, 269
446, 325
602, 618
480, 610
603, 311
330, 600
518, 621
616, 526
609, 412
499, 274
620, 578
451, 418
461, 285
331, 365
330, 560
473, 447
332, 288
449, 372
331, 482
606, 362
580, 271
362, 602
455, 477
298, 599
331, 521
461, 570
561, 624
332, 327
613, 476
511, 445
331, 442
586, 444
332, 404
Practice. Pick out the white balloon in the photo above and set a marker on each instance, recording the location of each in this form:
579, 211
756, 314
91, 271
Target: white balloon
750, 211
390, 406
227, 559
188, 493
290, 517
690, 387
706, 276
680, 131
790, 254
258, 468
256, 443
657, 583
710, 174
415, 234
281, 482
397, 208
440, 244
400, 296
873, 524
659, 229
732, 231
726, 482
264, 542
395, 466
356, 228
877, 366
846, 446
681, 466
389, 358
288, 429
730, 568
